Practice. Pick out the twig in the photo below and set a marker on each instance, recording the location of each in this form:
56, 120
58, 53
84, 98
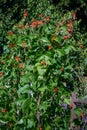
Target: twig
38, 112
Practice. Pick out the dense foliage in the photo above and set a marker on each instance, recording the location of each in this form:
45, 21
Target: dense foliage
43, 61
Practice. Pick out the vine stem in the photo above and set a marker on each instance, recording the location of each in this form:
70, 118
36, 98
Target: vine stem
38, 111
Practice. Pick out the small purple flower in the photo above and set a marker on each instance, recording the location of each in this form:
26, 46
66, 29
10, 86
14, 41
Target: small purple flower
64, 105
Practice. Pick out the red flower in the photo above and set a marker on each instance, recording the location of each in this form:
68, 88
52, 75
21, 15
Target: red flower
11, 33
72, 105
3, 110
70, 24
50, 47
70, 30
25, 14
66, 37
74, 15
40, 22
43, 63
21, 66
56, 90
81, 46
40, 127
40, 15
21, 26
34, 24
17, 58
47, 18
1, 74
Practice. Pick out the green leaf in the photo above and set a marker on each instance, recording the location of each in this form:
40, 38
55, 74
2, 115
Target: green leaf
73, 48
45, 40
59, 52
41, 71
26, 105
9, 38
30, 123
19, 41
69, 48
47, 127
78, 111
44, 105
58, 39
67, 101
24, 89
20, 121
85, 61
44, 58
42, 89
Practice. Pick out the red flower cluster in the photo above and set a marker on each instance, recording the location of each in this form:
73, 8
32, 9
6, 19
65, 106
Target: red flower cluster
81, 46
72, 105
43, 63
17, 58
40, 127
1, 74
3, 110
40, 15
47, 18
66, 36
56, 89
74, 15
40, 22
21, 66
50, 47
25, 14
69, 29
21, 26
11, 33
70, 26
35, 23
